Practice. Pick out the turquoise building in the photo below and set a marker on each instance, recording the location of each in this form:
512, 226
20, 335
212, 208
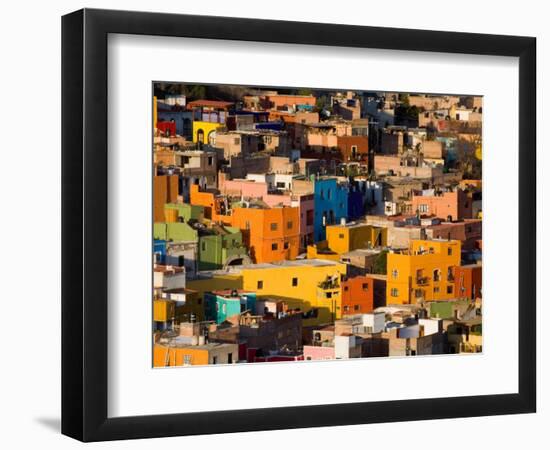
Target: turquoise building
220, 305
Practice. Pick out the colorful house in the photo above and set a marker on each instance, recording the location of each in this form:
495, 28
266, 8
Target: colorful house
357, 295
165, 190
331, 205
221, 246
424, 272
174, 232
208, 117
468, 281
310, 285
222, 305
349, 236
214, 204
179, 352
178, 212
271, 234
346, 237
451, 205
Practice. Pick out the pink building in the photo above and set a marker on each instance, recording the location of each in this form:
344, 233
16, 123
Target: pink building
317, 353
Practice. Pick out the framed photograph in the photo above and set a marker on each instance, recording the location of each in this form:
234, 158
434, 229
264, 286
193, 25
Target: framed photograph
272, 225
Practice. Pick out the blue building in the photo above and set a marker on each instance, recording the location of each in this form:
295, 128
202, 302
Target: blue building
331, 205
356, 202
159, 250
220, 305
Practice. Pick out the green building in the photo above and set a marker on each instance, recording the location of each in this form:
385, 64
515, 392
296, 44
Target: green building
221, 246
174, 231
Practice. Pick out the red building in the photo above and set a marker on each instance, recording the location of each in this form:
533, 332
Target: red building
167, 128
357, 295
353, 148
467, 281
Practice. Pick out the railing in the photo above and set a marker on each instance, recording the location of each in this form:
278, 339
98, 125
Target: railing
328, 285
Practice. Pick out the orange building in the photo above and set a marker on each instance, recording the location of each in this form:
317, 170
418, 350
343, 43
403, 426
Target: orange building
180, 354
271, 234
357, 295
213, 204
468, 281
165, 190
456, 205
424, 272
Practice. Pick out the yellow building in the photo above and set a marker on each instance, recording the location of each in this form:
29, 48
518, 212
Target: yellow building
218, 281
203, 131
423, 272
311, 285
347, 237
178, 305
320, 250
344, 238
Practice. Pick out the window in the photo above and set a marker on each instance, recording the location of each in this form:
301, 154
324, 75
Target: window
224, 308
186, 360
289, 225
281, 184
260, 284
274, 246
308, 358
422, 208
286, 245
273, 226
449, 251
450, 275
341, 235
203, 246
346, 308
437, 275
210, 160
329, 194
322, 194
328, 295
394, 274
436, 289
356, 307
365, 286
295, 282
394, 292
247, 225
236, 141
346, 289
214, 360
450, 289
230, 358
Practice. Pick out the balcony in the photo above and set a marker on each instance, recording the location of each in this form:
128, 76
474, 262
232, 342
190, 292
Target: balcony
328, 284
422, 281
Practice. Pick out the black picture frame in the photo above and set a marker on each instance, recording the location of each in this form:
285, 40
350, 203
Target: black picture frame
84, 224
